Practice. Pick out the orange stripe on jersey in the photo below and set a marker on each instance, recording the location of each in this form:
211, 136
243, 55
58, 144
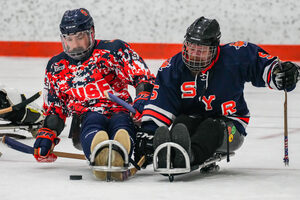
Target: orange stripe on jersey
159, 116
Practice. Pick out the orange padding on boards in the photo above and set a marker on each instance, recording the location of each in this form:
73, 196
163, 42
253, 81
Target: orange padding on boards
146, 50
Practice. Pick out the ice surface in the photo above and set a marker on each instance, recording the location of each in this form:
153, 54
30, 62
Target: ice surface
255, 172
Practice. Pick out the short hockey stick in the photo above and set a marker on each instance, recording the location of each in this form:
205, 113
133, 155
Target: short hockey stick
14, 144
119, 101
13, 135
286, 148
22, 104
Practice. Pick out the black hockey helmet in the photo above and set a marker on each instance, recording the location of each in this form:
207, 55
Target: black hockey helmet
202, 35
75, 21
204, 31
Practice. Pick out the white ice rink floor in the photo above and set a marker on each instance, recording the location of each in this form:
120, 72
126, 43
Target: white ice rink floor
256, 171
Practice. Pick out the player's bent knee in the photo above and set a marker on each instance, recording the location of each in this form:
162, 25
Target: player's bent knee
206, 139
232, 139
213, 127
54, 122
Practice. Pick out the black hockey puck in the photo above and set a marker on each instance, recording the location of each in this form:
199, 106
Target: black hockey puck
75, 177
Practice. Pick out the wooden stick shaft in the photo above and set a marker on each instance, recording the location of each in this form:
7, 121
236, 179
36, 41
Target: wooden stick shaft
285, 115
140, 163
286, 147
6, 110
69, 155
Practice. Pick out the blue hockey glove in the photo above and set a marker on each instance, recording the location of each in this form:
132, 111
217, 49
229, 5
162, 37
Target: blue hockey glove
44, 144
286, 76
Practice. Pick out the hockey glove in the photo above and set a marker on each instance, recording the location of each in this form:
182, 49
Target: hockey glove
144, 146
44, 144
139, 103
285, 76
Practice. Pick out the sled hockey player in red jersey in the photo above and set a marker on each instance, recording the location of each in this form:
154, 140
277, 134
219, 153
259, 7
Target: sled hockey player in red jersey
75, 83
199, 91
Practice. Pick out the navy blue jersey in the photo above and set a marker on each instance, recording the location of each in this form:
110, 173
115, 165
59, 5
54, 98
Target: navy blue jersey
215, 92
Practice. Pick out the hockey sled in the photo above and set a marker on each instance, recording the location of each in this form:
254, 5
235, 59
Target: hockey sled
32, 128
24, 148
207, 166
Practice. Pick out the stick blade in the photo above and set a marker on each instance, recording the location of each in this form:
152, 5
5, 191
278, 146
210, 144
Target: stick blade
14, 144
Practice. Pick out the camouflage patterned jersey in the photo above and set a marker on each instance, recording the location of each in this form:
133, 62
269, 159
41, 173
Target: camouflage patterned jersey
78, 86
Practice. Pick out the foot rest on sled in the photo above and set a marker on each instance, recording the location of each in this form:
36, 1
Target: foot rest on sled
109, 167
207, 166
169, 170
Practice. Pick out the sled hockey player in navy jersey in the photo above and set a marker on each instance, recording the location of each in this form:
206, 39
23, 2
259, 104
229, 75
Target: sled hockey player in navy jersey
199, 91
75, 83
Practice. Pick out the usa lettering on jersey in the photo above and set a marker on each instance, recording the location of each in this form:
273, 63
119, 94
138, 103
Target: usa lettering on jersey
77, 87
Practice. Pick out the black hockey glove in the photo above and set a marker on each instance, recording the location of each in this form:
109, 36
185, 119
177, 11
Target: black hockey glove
144, 147
285, 76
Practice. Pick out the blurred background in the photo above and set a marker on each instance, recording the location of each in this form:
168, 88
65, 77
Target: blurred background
29, 36
274, 23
